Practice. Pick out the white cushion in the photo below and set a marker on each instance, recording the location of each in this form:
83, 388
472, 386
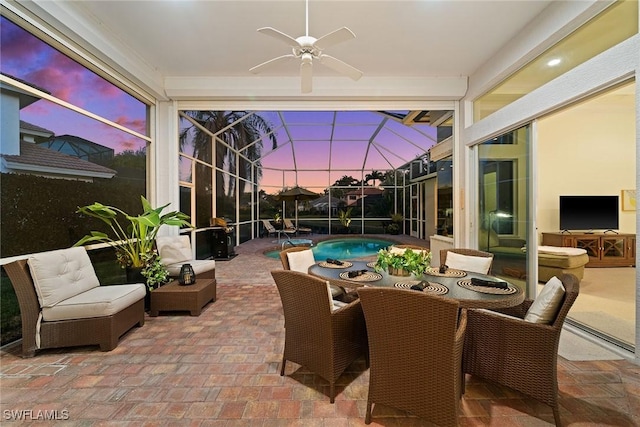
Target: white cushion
198, 265
477, 264
301, 260
174, 249
96, 302
335, 305
61, 274
557, 250
545, 307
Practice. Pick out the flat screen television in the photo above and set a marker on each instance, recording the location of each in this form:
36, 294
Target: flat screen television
589, 213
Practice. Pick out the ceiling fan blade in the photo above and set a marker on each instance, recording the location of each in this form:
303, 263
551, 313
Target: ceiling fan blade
305, 76
265, 64
334, 37
341, 67
270, 31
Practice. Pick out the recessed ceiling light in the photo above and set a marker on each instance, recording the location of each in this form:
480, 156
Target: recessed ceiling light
554, 62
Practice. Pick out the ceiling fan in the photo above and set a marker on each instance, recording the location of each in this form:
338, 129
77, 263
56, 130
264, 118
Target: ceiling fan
308, 49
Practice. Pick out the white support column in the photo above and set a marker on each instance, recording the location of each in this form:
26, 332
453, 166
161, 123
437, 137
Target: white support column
165, 188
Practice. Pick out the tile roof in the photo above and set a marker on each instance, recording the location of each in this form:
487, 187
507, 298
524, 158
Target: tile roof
31, 154
32, 127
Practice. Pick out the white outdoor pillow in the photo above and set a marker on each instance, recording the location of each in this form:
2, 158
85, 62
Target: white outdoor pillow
546, 305
476, 264
174, 249
301, 260
61, 274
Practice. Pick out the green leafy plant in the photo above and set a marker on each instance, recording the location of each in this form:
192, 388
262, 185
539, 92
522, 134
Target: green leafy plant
134, 243
413, 262
154, 271
397, 218
345, 217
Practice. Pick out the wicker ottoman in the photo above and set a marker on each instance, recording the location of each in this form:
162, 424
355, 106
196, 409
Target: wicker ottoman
555, 260
174, 297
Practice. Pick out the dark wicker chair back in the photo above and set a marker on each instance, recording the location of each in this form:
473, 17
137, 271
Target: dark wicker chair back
322, 340
464, 251
283, 255
103, 331
415, 348
518, 354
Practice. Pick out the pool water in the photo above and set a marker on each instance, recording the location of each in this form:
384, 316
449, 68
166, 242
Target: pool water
344, 248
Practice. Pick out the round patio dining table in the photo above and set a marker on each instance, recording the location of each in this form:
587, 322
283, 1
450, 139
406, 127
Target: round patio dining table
454, 284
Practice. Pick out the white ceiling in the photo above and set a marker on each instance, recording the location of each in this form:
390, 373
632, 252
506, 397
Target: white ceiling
185, 39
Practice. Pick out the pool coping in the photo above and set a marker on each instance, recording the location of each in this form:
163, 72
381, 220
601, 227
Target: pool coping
324, 237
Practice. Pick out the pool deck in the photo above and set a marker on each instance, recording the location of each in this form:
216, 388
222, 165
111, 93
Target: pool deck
222, 368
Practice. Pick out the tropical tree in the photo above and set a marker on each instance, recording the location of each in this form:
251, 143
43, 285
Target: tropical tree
240, 131
374, 176
345, 181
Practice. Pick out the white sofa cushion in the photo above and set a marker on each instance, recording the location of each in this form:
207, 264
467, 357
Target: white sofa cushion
198, 265
545, 307
557, 250
96, 302
476, 264
61, 274
301, 260
174, 249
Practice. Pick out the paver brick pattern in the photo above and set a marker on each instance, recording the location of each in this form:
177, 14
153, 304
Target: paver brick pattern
222, 369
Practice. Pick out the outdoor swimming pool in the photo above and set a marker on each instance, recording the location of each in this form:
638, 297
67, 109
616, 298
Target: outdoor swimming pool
349, 248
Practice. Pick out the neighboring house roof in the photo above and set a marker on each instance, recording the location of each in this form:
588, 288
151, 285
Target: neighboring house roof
34, 158
34, 129
25, 98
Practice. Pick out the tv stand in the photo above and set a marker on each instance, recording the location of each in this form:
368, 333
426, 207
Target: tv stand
604, 250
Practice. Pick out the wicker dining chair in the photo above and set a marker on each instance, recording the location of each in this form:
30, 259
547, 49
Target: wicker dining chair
337, 292
415, 348
318, 336
465, 252
519, 354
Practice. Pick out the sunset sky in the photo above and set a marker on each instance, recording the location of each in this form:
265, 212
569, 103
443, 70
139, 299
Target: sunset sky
303, 137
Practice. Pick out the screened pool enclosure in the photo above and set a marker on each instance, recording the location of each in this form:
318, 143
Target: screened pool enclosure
358, 163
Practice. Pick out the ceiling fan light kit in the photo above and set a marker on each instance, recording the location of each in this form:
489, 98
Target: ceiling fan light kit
307, 48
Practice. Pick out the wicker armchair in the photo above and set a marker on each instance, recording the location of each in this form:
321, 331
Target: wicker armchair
337, 292
318, 337
61, 329
519, 354
466, 252
415, 348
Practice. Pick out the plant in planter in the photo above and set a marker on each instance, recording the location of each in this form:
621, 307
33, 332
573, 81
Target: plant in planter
135, 243
403, 262
345, 219
396, 223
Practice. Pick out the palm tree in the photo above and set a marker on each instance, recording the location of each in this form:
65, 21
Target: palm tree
374, 176
239, 130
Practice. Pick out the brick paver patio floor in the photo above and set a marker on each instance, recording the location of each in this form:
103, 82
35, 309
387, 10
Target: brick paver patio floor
222, 369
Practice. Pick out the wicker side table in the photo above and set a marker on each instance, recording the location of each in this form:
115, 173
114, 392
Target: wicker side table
175, 297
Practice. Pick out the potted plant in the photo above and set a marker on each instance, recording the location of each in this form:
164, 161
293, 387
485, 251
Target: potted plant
403, 262
134, 243
396, 224
345, 219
